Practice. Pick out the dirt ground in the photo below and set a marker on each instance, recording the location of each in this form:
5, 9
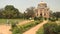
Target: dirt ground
4, 29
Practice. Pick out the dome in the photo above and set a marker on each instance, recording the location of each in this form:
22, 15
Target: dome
42, 2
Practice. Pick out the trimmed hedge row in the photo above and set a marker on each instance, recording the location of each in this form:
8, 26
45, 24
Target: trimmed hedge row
49, 28
53, 19
23, 28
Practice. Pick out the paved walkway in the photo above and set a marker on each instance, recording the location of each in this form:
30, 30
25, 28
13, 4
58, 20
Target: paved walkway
34, 29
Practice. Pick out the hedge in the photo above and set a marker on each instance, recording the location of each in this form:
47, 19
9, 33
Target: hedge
21, 29
49, 28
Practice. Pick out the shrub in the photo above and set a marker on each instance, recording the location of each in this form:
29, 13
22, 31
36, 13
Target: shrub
58, 29
16, 30
53, 19
25, 27
40, 31
38, 18
50, 28
29, 25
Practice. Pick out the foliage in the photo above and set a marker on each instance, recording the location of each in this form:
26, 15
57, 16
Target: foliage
56, 14
53, 19
16, 30
40, 31
51, 28
38, 18
58, 28
25, 27
30, 12
9, 12
28, 26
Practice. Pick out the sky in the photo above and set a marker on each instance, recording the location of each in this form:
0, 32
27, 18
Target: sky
54, 5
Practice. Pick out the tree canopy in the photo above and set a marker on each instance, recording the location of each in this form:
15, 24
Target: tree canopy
9, 12
30, 12
56, 14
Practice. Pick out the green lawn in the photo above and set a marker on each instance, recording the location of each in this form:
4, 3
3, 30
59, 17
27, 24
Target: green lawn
10, 20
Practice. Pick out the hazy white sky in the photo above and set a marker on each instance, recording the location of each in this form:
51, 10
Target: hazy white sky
54, 5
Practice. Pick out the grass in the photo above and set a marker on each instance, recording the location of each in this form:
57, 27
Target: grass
40, 31
4, 21
58, 22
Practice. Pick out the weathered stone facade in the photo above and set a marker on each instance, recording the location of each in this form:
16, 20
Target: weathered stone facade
42, 10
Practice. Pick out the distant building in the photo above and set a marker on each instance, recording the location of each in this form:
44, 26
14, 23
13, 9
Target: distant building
42, 10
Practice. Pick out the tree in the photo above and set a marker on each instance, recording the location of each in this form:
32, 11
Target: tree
24, 15
50, 13
11, 12
1, 13
56, 14
30, 12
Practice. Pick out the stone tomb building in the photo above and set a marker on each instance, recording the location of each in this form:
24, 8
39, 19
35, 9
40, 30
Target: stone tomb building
42, 10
